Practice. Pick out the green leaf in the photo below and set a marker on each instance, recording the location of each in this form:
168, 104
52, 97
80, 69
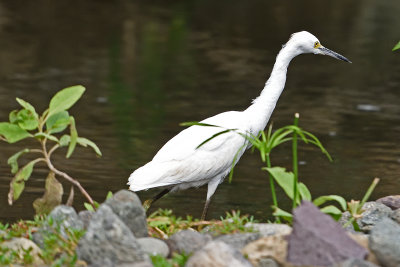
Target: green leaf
109, 195
332, 210
45, 135
86, 142
304, 192
64, 140
28, 106
192, 123
212, 137
26, 120
397, 46
58, 122
322, 199
12, 133
88, 206
13, 160
283, 214
283, 178
17, 184
65, 99
13, 116
74, 137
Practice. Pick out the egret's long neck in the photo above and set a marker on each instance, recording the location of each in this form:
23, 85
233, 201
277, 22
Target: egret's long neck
261, 109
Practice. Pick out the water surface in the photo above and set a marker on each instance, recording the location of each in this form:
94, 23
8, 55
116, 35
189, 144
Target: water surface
149, 65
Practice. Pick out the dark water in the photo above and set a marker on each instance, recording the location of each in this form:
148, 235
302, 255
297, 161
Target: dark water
149, 65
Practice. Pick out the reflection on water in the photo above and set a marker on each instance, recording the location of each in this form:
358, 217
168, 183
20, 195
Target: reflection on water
149, 66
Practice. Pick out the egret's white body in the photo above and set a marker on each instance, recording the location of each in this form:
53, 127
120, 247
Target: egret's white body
179, 164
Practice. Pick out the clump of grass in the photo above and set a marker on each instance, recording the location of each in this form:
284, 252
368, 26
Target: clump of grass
163, 223
177, 260
58, 248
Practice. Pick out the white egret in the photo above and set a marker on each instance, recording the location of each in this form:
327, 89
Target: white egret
179, 164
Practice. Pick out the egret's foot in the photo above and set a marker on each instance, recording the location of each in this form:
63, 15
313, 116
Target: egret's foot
147, 204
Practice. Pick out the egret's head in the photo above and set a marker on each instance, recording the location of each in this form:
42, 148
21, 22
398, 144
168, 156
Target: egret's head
304, 42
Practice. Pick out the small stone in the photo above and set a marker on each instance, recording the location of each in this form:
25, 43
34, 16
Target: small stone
392, 202
355, 263
153, 246
187, 241
318, 240
266, 262
384, 241
127, 205
217, 254
268, 229
344, 221
363, 240
274, 246
373, 213
20, 245
85, 216
109, 242
238, 240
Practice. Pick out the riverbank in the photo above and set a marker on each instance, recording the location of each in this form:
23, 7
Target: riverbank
118, 233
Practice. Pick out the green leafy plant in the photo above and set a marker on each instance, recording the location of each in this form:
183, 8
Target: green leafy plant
47, 130
175, 261
396, 47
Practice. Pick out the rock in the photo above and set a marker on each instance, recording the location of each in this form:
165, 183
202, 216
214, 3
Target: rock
126, 204
392, 202
318, 240
187, 241
395, 216
274, 247
238, 240
384, 241
63, 216
20, 245
268, 229
344, 219
217, 254
153, 246
109, 242
362, 240
355, 263
373, 212
85, 216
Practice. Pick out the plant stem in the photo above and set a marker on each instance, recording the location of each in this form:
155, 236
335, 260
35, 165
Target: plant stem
369, 192
272, 185
63, 174
295, 161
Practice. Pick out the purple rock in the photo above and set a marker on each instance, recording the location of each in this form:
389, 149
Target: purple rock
392, 202
318, 240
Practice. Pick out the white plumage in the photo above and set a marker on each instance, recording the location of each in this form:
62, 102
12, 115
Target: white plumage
179, 165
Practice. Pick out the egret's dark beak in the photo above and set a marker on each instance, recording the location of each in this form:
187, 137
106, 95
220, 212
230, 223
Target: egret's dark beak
326, 51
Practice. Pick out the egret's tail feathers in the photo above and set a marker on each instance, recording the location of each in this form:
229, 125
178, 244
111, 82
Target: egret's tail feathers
149, 176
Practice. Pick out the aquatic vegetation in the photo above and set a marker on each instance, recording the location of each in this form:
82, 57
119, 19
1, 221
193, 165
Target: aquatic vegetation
46, 129
396, 47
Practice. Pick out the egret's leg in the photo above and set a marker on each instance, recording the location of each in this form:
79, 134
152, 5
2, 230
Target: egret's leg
147, 203
212, 186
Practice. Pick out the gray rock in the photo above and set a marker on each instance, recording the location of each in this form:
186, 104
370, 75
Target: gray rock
384, 241
109, 242
187, 241
318, 240
268, 229
153, 246
344, 219
62, 216
217, 254
355, 263
267, 262
85, 216
239, 240
395, 216
392, 202
373, 213
126, 204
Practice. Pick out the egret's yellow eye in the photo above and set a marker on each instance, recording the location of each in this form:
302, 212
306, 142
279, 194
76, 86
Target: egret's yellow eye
316, 45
